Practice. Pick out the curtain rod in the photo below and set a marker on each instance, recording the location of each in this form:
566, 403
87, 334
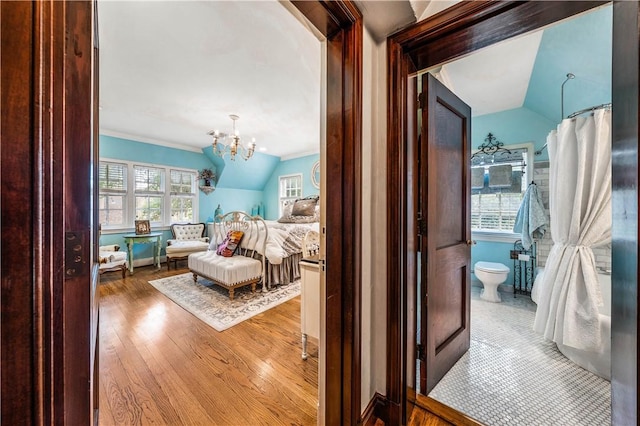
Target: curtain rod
577, 113
591, 109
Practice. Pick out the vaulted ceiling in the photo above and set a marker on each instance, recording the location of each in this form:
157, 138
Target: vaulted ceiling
172, 71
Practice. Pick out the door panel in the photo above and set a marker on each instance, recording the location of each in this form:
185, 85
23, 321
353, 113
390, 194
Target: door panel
448, 299
445, 250
448, 158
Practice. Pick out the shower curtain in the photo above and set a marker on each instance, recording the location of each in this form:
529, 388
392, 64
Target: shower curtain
580, 213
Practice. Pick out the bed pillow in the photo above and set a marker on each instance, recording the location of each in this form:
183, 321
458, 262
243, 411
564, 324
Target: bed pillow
302, 210
304, 207
230, 243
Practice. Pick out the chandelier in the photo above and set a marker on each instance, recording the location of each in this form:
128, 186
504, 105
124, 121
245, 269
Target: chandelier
234, 146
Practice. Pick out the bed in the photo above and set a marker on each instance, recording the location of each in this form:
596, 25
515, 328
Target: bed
284, 250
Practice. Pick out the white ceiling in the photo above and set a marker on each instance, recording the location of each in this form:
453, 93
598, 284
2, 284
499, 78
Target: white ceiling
503, 69
172, 71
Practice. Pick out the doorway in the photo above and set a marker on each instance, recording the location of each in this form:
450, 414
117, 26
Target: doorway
510, 369
427, 45
342, 26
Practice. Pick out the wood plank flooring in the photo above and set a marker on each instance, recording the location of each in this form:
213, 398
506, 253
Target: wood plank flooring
159, 364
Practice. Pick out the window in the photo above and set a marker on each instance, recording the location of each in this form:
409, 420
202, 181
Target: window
112, 204
149, 193
159, 194
290, 189
183, 194
499, 182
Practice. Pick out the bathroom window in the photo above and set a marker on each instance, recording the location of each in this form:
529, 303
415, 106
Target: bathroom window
498, 183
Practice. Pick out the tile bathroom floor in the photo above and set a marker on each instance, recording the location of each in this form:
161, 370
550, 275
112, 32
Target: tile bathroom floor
512, 376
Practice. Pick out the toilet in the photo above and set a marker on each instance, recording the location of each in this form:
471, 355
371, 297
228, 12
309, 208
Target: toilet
491, 275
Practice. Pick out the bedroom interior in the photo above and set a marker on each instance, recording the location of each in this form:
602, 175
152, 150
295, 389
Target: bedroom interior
378, 391
265, 163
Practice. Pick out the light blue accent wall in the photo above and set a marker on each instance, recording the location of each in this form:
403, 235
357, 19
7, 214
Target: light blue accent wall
582, 46
130, 150
288, 167
487, 251
513, 126
229, 198
240, 174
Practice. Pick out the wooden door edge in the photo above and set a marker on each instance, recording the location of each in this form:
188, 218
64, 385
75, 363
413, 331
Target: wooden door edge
445, 412
376, 410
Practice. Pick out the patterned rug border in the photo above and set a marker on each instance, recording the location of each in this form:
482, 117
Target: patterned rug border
197, 299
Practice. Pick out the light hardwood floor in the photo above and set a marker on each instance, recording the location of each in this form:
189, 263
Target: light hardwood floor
159, 364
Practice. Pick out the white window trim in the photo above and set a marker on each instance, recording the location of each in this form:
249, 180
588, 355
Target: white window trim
496, 236
502, 236
166, 194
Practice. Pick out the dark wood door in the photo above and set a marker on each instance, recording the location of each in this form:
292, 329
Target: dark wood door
49, 307
444, 213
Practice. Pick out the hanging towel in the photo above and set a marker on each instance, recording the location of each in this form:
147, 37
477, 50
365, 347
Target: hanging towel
500, 176
531, 220
477, 177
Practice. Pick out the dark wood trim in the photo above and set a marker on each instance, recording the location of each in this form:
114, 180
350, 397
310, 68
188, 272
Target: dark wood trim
318, 14
458, 30
374, 410
46, 113
624, 167
445, 412
343, 173
469, 26
21, 369
76, 196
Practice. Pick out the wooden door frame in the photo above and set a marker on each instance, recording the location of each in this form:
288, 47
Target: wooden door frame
462, 29
341, 23
34, 380
46, 130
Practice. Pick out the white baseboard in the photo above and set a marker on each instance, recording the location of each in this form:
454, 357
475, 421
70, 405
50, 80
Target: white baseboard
147, 261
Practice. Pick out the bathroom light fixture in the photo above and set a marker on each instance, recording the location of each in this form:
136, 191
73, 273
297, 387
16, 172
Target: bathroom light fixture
234, 146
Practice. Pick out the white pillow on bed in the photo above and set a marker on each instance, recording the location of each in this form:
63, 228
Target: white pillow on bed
289, 207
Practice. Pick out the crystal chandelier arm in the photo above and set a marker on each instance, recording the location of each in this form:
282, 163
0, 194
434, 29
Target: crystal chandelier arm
234, 146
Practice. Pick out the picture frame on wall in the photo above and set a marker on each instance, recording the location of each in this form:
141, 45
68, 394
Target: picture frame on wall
142, 227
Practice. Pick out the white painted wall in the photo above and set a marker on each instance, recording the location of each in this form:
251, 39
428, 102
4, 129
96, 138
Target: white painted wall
374, 175
436, 6
374, 211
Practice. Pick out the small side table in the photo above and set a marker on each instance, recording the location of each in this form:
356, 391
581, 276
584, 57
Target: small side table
153, 238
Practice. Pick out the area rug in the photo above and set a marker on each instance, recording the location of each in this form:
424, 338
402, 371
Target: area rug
211, 303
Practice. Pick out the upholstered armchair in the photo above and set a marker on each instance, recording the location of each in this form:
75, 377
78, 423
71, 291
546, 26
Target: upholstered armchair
187, 238
112, 259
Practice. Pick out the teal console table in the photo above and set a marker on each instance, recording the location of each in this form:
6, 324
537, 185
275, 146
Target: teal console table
153, 238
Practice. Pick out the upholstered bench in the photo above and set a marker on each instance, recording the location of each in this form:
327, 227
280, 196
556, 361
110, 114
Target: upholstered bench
227, 272
240, 265
187, 239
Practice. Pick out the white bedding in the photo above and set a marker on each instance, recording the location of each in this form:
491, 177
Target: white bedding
285, 239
